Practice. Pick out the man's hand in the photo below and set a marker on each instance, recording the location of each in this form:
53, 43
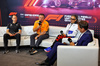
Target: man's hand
72, 44
64, 43
64, 34
38, 26
14, 34
36, 37
11, 34
35, 29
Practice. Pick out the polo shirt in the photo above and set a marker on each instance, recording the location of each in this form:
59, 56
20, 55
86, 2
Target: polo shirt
44, 26
13, 28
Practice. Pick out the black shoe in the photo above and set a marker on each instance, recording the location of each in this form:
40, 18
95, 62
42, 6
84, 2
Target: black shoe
33, 52
17, 51
42, 63
30, 50
6, 51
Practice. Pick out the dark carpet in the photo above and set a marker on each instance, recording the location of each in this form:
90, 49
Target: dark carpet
23, 58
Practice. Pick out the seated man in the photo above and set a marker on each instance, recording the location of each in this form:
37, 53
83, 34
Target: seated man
13, 32
83, 40
41, 27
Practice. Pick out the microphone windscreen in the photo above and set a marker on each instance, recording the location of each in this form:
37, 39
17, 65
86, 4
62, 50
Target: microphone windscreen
61, 32
40, 22
69, 39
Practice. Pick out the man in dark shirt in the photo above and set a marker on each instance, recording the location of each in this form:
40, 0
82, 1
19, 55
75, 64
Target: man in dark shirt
13, 32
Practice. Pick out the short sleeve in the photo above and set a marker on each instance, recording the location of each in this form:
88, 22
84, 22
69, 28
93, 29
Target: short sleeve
46, 27
35, 25
8, 26
20, 28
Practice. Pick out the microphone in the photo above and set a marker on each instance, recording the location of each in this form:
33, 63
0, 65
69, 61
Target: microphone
40, 22
69, 39
61, 32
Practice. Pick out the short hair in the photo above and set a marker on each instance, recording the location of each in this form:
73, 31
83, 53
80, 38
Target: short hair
83, 24
13, 15
75, 17
42, 15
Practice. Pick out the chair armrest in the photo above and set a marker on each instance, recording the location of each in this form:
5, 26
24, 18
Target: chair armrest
77, 56
66, 40
93, 43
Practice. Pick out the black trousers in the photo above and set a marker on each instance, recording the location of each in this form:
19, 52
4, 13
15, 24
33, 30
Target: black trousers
52, 55
39, 40
7, 36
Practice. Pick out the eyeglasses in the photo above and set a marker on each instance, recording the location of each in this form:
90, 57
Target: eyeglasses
73, 19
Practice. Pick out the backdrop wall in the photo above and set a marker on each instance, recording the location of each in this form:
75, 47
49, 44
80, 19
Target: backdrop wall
58, 12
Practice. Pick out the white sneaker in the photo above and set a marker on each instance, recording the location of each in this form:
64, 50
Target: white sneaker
17, 51
6, 51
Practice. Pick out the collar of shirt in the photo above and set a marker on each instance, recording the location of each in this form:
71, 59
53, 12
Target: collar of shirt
72, 24
43, 21
80, 37
82, 34
14, 23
